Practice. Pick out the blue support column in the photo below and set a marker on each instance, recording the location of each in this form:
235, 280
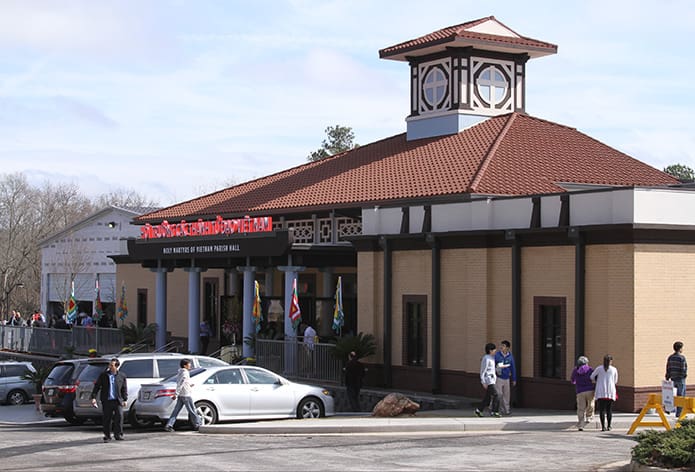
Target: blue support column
160, 306
290, 367
248, 328
193, 309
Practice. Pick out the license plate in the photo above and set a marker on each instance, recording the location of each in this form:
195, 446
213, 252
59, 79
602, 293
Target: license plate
146, 395
51, 391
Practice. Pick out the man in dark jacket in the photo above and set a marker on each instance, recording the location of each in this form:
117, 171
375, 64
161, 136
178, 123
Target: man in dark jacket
677, 371
354, 373
114, 394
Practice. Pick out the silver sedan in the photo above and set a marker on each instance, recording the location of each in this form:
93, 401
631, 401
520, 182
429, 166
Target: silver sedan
236, 393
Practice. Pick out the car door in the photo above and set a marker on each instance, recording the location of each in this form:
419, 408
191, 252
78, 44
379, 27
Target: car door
228, 390
269, 396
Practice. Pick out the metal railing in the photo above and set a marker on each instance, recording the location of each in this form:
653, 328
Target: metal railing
171, 346
296, 359
56, 342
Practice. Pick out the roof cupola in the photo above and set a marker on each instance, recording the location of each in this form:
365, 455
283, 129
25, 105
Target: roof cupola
463, 74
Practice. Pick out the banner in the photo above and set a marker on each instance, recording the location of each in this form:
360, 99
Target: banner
667, 395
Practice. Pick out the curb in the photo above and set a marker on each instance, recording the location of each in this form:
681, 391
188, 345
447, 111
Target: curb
394, 425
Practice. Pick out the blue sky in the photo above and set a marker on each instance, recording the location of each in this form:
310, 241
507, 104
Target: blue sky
178, 98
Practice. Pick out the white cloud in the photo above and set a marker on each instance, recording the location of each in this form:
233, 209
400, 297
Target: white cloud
173, 97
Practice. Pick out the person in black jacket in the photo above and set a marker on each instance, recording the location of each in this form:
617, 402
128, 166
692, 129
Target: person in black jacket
354, 373
113, 386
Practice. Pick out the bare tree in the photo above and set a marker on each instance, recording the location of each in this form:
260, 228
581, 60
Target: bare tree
29, 215
124, 198
16, 243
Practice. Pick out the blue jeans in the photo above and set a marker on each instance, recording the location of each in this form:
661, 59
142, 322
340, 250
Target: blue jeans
192, 415
680, 391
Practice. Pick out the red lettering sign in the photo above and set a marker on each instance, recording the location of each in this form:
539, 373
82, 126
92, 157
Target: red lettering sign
207, 228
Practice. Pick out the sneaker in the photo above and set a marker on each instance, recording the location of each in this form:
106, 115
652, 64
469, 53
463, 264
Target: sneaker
107, 439
169, 429
478, 413
495, 414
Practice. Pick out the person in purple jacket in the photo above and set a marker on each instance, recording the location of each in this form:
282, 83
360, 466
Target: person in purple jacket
581, 378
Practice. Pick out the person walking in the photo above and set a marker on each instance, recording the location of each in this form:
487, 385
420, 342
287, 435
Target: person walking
112, 386
581, 378
183, 398
354, 373
488, 379
606, 378
677, 371
506, 375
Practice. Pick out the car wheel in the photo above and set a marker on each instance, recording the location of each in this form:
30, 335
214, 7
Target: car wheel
310, 407
207, 412
17, 397
138, 422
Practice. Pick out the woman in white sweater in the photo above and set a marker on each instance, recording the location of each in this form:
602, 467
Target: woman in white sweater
606, 378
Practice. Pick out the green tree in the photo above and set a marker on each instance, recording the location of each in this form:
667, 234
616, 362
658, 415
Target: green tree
681, 172
338, 139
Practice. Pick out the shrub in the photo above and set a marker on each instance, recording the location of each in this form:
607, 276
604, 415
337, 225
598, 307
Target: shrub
675, 448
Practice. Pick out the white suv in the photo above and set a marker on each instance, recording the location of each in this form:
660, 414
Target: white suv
139, 369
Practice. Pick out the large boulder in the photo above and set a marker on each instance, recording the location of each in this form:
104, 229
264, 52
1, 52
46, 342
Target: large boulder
395, 404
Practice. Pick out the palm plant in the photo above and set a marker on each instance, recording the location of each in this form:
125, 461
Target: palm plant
138, 333
37, 377
363, 345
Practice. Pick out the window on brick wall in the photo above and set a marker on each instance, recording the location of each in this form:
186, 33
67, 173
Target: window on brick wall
142, 307
550, 335
415, 330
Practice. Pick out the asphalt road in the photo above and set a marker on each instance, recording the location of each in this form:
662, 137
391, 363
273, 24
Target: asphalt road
58, 447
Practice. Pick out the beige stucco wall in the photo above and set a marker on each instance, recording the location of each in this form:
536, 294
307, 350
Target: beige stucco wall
476, 304
609, 307
476, 300
412, 275
546, 272
664, 307
370, 298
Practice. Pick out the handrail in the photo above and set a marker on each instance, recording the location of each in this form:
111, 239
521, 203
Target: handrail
171, 346
133, 348
217, 353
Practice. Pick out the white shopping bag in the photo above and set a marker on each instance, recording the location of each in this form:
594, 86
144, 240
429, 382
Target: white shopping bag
667, 394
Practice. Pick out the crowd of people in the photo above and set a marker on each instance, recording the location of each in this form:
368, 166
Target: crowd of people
39, 320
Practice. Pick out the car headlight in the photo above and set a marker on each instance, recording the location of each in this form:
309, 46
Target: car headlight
327, 392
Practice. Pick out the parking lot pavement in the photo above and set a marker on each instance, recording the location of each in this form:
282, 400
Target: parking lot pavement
24, 414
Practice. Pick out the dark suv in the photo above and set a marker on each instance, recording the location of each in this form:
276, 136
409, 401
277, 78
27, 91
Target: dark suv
59, 389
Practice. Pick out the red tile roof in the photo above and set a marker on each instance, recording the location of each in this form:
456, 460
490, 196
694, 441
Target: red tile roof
451, 34
513, 154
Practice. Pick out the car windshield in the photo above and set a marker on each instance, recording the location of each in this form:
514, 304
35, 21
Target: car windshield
192, 373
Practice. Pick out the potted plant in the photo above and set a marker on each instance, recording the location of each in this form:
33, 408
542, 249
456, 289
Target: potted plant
37, 377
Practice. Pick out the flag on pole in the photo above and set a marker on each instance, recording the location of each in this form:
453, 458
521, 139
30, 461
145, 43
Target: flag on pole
257, 313
98, 309
122, 306
338, 315
295, 311
72, 304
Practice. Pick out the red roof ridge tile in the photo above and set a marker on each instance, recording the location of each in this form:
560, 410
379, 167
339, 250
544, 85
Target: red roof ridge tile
491, 153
